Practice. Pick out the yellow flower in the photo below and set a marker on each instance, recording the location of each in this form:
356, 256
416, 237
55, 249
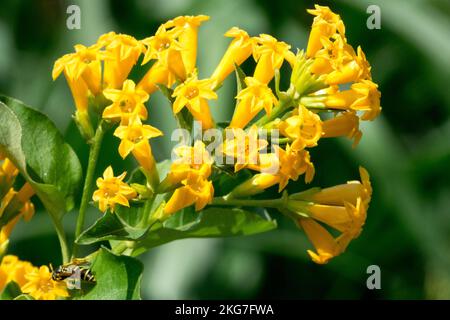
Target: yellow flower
344, 124
325, 25
244, 147
363, 96
348, 219
292, 165
8, 173
112, 190
156, 75
255, 97
122, 53
165, 48
324, 243
270, 54
350, 68
15, 269
195, 190
191, 169
15, 204
126, 102
78, 86
304, 128
348, 192
194, 94
135, 139
240, 48
188, 38
289, 165
84, 64
342, 207
194, 160
41, 286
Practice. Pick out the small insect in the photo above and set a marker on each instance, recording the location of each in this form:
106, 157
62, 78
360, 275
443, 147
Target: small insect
74, 271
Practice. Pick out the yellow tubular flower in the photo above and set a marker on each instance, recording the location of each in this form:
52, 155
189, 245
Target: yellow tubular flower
8, 173
157, 74
165, 48
256, 184
290, 165
345, 124
84, 64
192, 170
122, 53
195, 160
240, 48
255, 97
244, 147
270, 54
324, 243
340, 194
135, 139
194, 94
188, 38
356, 69
344, 193
363, 96
41, 286
112, 190
346, 217
303, 127
325, 25
196, 190
126, 102
77, 86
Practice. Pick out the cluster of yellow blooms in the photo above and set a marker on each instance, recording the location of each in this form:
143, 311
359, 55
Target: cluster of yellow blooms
16, 204
100, 73
35, 281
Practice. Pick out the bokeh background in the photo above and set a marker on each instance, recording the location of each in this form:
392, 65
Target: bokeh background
406, 150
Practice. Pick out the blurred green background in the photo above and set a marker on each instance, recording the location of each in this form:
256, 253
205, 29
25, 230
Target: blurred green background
406, 150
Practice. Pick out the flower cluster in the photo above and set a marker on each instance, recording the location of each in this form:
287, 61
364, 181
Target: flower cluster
330, 91
35, 281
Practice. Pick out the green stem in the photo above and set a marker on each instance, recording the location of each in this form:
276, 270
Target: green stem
92, 162
62, 240
269, 203
277, 111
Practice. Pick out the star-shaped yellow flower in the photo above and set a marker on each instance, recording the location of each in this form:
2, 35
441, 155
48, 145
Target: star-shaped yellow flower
41, 286
126, 102
255, 97
194, 94
270, 54
112, 190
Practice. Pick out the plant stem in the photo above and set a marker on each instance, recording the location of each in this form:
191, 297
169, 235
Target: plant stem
278, 110
269, 203
62, 240
92, 162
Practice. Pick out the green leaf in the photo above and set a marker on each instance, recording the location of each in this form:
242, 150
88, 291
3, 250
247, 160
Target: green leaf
110, 227
211, 222
38, 150
11, 291
117, 277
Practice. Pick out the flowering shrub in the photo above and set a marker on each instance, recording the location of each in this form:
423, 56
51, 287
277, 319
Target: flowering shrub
206, 190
